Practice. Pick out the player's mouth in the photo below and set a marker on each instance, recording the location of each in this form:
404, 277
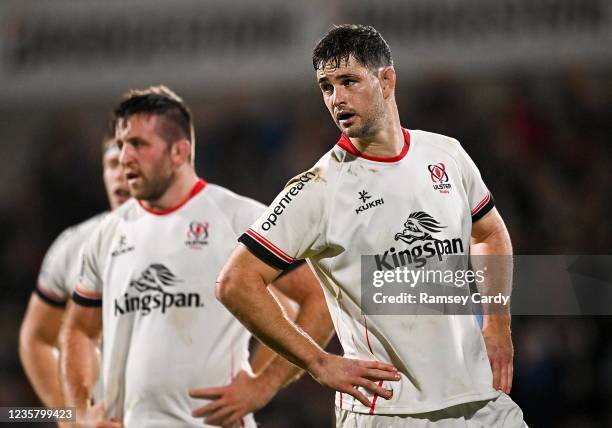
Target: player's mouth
345, 117
122, 195
132, 177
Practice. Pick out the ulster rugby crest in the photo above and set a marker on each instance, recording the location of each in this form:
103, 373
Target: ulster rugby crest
439, 177
197, 235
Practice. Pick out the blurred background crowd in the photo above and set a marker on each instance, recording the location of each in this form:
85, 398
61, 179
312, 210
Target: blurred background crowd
539, 134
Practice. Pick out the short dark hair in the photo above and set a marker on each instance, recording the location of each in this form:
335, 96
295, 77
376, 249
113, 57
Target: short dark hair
361, 42
159, 101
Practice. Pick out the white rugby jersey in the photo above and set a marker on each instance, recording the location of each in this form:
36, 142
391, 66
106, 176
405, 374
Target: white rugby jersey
60, 268
154, 274
349, 205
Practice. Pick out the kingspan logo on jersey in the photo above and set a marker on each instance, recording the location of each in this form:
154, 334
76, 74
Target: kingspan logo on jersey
155, 288
418, 232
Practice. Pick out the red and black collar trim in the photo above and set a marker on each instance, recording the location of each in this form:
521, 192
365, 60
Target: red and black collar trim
201, 184
345, 143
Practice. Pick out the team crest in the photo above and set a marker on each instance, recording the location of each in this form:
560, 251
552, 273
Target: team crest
439, 177
197, 235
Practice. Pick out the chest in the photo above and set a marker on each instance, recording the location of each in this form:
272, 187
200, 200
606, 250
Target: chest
419, 207
179, 253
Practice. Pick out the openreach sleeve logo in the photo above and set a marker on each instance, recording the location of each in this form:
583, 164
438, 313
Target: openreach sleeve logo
284, 202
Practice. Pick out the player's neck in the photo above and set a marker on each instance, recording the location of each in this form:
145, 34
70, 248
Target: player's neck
177, 193
387, 142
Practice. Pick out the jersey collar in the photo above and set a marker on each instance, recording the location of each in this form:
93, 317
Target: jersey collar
345, 143
200, 184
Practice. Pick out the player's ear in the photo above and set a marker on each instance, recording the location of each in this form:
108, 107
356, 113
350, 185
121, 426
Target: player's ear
180, 152
387, 80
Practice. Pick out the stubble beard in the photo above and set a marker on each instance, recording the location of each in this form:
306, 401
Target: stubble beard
371, 123
154, 187
367, 129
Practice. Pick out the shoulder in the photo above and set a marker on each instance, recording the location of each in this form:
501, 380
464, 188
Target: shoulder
424, 140
127, 211
225, 198
74, 236
321, 174
110, 225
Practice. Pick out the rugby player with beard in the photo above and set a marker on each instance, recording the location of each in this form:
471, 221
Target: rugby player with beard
148, 280
449, 372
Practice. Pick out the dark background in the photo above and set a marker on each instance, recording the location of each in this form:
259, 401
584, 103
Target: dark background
539, 133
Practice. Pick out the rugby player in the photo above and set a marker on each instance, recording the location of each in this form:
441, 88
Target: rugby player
374, 193
148, 279
38, 339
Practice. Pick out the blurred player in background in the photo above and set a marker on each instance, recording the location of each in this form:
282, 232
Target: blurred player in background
38, 339
373, 194
148, 278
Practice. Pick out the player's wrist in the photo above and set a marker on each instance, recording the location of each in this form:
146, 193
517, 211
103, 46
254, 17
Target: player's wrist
82, 406
497, 321
266, 385
316, 362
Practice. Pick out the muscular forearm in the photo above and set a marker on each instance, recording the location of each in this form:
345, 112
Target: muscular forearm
261, 358
313, 318
241, 287
38, 349
255, 307
79, 368
263, 355
41, 362
492, 254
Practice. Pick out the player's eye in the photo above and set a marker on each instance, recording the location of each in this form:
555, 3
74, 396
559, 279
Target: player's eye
348, 82
326, 88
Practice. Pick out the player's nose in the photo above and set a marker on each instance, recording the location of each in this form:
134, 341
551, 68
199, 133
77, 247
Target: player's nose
120, 174
339, 96
126, 155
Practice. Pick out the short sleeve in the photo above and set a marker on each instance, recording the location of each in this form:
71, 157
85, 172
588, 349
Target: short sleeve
293, 226
51, 285
480, 198
246, 214
88, 291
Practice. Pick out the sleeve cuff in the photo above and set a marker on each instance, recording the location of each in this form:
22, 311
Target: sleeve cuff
52, 300
266, 251
91, 301
484, 206
291, 267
